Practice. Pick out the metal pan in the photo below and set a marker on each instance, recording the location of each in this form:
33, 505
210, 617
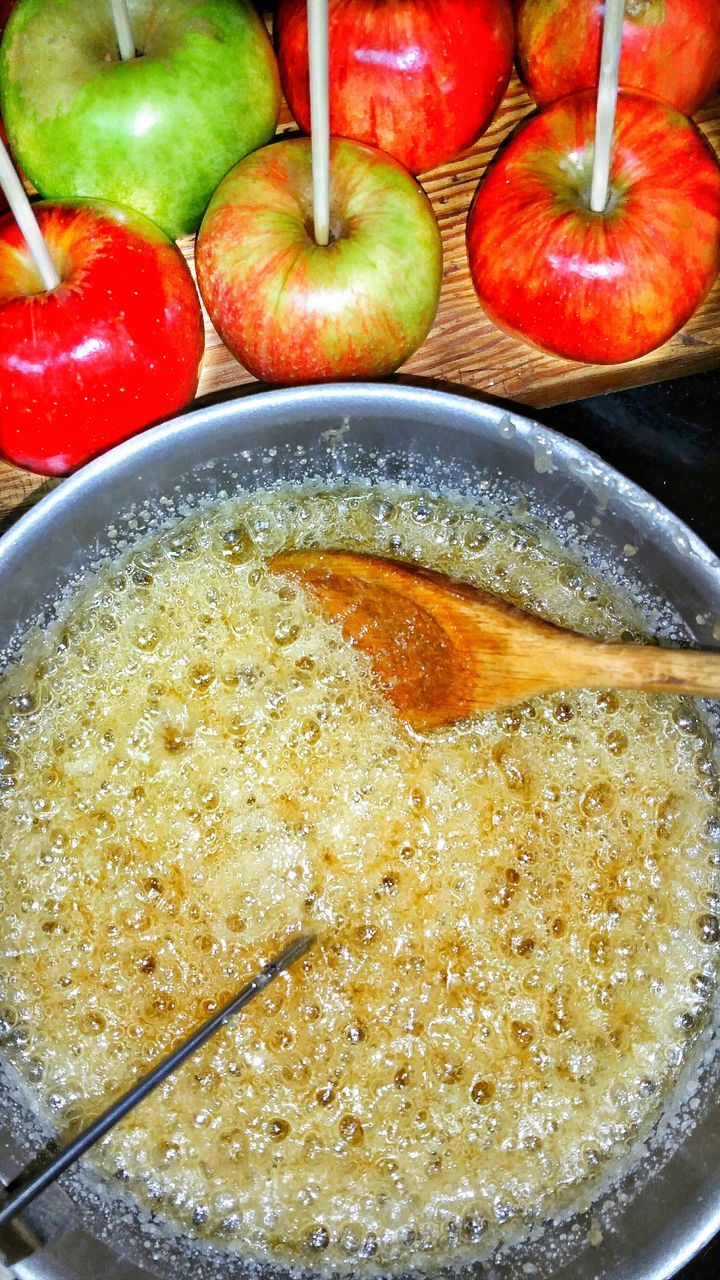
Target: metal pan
669, 1207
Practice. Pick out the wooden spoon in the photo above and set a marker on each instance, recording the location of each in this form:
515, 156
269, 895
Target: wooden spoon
443, 650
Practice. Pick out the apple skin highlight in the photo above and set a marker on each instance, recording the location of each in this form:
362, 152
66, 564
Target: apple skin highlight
291, 310
420, 80
114, 348
600, 288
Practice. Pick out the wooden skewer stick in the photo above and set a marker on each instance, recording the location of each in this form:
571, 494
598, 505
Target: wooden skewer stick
319, 117
606, 103
24, 215
123, 30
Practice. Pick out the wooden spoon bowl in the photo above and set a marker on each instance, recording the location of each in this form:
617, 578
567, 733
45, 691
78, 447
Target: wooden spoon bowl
443, 650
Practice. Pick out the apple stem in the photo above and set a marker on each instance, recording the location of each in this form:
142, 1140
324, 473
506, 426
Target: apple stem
24, 215
606, 103
319, 117
123, 30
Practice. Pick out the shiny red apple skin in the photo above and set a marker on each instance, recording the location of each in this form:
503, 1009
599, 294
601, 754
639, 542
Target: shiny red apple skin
600, 288
291, 310
420, 79
115, 348
670, 48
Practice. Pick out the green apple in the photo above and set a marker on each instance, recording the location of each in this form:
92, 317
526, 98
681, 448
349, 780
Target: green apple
157, 132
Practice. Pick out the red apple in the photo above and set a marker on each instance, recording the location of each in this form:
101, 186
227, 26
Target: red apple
292, 310
115, 347
604, 287
670, 48
421, 79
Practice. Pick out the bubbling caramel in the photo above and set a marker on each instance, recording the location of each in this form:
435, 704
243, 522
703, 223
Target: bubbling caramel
518, 916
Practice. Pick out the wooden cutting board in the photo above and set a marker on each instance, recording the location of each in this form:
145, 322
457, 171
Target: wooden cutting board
464, 348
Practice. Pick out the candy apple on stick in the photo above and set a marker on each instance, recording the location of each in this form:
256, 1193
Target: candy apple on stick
421, 79
670, 48
319, 259
137, 102
593, 242
101, 332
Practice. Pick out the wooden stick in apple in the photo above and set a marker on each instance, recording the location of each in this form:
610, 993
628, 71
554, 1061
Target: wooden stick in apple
123, 30
319, 117
24, 215
606, 103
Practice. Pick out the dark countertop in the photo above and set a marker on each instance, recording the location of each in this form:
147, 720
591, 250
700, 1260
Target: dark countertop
666, 437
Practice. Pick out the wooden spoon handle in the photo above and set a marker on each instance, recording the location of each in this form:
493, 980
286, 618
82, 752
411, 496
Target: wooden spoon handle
647, 667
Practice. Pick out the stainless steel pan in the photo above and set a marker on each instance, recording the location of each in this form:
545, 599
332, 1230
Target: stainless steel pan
671, 1207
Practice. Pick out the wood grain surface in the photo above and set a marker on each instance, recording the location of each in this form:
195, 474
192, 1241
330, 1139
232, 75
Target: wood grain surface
464, 348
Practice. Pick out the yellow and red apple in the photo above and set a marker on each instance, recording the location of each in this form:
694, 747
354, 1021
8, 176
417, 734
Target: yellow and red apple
670, 48
292, 310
